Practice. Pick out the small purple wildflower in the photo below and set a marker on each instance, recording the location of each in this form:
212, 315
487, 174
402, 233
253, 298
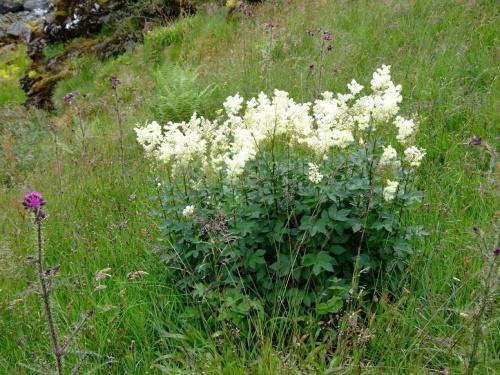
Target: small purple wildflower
329, 48
115, 82
475, 140
327, 36
496, 252
68, 98
34, 202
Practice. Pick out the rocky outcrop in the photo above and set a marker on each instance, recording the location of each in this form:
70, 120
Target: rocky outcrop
39, 23
19, 20
52, 19
7, 6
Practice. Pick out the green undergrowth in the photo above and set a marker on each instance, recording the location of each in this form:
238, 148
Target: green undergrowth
13, 64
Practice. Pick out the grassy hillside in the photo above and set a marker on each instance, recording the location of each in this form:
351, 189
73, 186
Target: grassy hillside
445, 55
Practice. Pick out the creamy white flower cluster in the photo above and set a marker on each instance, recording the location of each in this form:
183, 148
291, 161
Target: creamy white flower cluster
314, 175
390, 190
244, 129
188, 211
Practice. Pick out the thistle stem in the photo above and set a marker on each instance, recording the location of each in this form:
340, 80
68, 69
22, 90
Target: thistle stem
46, 299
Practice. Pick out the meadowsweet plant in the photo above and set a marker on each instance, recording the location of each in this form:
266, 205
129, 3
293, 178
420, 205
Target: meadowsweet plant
34, 203
278, 204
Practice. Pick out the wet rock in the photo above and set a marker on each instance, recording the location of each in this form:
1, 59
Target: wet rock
73, 18
20, 25
37, 4
10, 6
40, 88
43, 22
19, 29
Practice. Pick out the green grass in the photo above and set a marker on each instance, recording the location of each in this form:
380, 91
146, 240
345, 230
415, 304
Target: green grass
13, 64
52, 50
444, 53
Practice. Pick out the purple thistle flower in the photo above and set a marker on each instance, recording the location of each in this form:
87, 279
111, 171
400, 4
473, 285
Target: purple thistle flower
327, 36
115, 82
475, 140
34, 201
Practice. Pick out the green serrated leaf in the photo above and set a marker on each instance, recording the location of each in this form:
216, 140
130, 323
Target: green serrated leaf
332, 306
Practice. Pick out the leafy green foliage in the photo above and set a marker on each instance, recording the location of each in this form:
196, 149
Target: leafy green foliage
156, 40
53, 49
177, 93
281, 240
13, 63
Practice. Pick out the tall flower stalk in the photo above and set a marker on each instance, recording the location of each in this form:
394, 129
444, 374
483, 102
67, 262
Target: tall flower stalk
70, 99
326, 38
55, 138
34, 202
115, 82
316, 70
269, 27
487, 292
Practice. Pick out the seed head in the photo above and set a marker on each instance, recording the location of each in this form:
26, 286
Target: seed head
115, 82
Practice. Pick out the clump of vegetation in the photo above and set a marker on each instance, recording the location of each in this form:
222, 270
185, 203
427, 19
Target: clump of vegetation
286, 204
157, 39
178, 94
13, 63
54, 49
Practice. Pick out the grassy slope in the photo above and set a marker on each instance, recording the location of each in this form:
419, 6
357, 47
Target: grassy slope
13, 63
442, 52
